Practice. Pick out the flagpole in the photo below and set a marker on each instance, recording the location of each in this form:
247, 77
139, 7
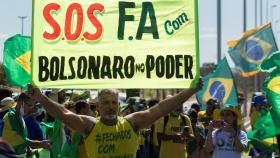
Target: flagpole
219, 35
261, 12
271, 12
267, 1
256, 25
260, 80
245, 83
22, 20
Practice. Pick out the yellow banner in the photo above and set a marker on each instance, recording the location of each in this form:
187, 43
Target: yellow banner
115, 44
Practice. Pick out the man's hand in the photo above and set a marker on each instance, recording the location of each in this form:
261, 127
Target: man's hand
33, 92
186, 132
41, 144
45, 144
179, 138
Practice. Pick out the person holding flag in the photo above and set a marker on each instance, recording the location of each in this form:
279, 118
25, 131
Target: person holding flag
110, 135
219, 90
15, 131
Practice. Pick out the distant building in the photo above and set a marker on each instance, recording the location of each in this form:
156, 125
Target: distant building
207, 68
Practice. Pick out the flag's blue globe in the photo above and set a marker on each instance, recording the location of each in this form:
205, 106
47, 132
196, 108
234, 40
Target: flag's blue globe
253, 50
217, 90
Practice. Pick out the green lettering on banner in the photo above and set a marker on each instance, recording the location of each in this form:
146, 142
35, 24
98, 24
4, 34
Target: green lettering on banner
147, 8
172, 26
115, 44
123, 17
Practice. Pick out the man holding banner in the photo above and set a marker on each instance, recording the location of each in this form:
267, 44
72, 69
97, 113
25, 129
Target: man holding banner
112, 135
114, 44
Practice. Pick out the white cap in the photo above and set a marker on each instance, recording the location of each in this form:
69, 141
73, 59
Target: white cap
7, 101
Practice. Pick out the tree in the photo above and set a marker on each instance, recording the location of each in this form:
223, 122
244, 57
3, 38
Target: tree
3, 80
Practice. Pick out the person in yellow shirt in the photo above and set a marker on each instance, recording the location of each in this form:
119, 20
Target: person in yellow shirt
176, 130
111, 136
206, 116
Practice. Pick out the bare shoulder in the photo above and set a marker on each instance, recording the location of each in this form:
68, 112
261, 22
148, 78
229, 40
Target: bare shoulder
88, 119
88, 123
136, 120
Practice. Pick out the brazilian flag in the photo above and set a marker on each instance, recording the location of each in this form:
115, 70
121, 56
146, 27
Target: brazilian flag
263, 136
218, 85
271, 87
268, 125
55, 135
251, 49
264, 127
16, 60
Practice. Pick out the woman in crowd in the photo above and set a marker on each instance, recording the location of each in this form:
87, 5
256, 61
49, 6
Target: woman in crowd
227, 140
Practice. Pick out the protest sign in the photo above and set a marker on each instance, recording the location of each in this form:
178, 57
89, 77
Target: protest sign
115, 44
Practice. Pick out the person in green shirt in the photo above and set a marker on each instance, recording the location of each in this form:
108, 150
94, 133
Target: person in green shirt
15, 131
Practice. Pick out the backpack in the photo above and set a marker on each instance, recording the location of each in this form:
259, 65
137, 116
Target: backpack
166, 118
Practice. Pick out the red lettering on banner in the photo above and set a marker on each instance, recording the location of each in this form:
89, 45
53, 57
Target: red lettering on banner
70, 33
51, 21
68, 21
94, 21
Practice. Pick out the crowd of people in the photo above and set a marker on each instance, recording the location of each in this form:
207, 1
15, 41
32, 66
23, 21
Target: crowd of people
40, 124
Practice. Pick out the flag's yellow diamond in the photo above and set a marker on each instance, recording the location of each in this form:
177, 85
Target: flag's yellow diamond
274, 85
24, 61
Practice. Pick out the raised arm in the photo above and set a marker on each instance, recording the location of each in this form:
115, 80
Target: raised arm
209, 141
146, 118
80, 123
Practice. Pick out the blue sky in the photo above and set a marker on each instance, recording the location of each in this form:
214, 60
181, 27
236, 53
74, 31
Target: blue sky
232, 22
